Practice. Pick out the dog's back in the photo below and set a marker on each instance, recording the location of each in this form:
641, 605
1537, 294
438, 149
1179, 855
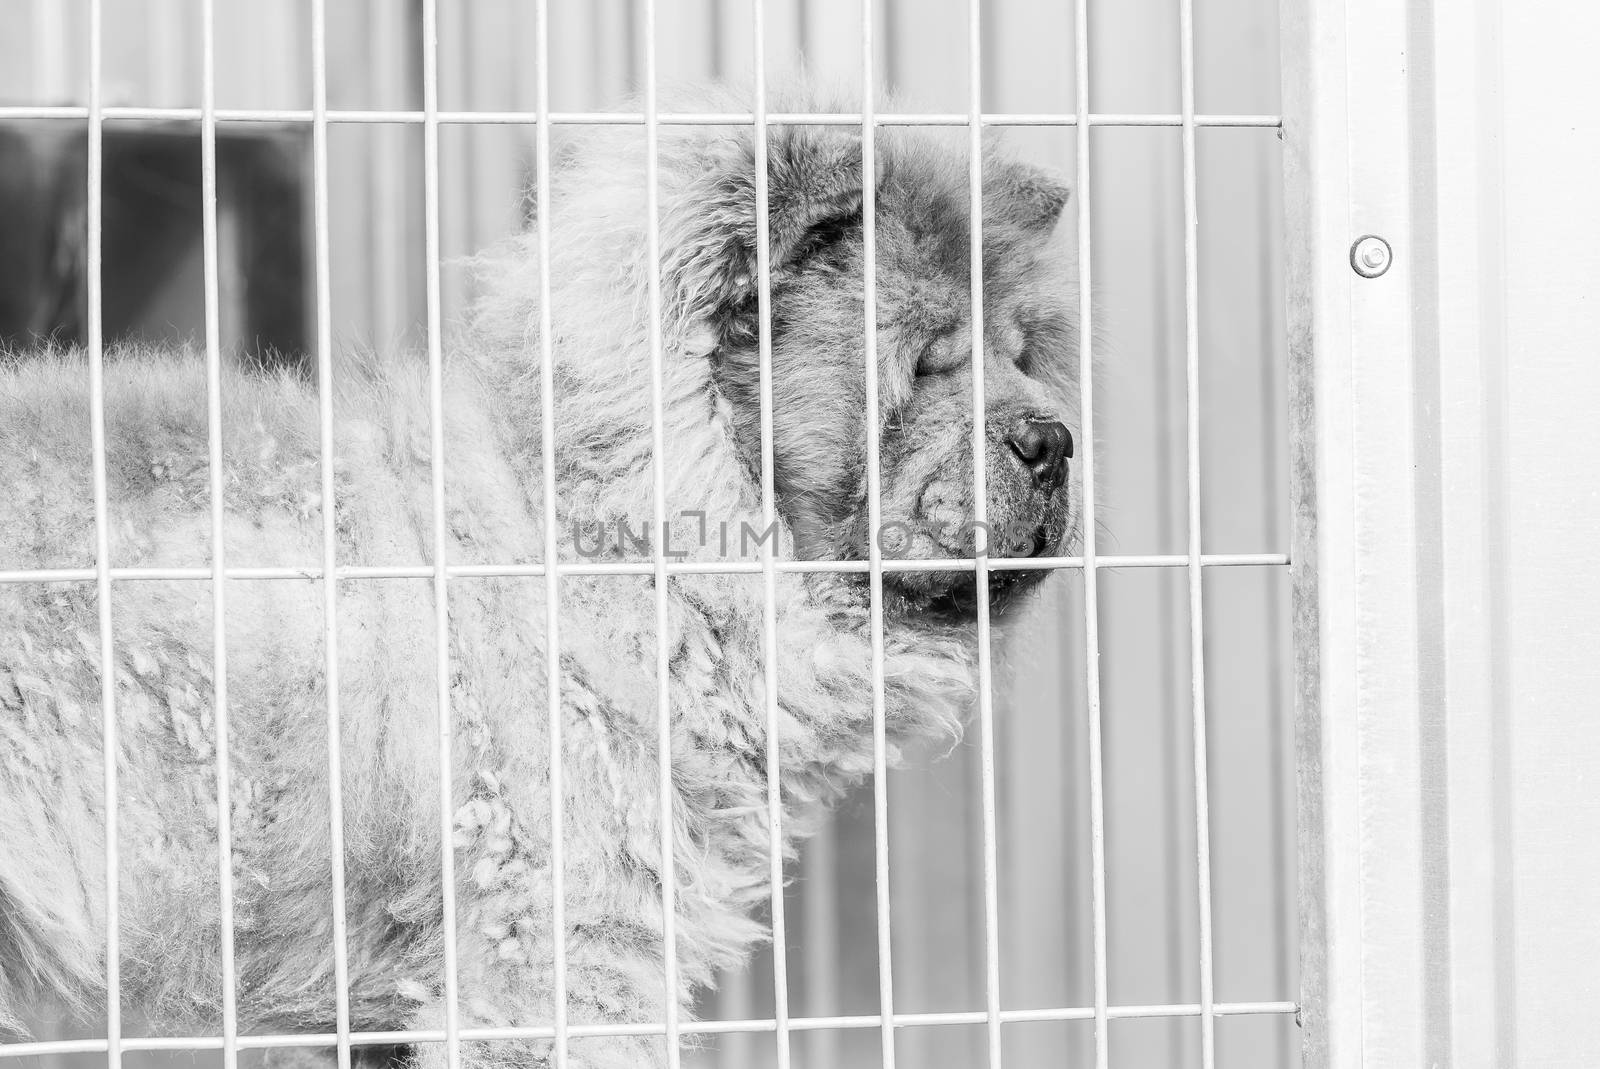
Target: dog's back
52, 839
52, 812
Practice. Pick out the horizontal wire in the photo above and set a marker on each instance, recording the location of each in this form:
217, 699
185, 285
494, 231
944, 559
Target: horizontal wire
626, 118
717, 567
508, 1034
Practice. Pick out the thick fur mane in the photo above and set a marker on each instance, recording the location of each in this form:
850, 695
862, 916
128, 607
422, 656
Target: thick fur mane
603, 415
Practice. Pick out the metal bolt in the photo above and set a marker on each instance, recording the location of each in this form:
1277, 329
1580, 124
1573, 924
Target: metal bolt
1371, 256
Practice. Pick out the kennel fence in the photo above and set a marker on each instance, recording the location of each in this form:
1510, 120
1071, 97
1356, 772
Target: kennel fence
433, 122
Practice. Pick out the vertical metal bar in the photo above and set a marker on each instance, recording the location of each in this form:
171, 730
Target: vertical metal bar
552, 615
769, 512
330, 529
669, 870
441, 578
102, 538
219, 582
880, 742
1197, 648
1091, 599
980, 504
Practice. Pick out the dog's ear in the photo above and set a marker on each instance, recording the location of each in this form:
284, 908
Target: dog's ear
710, 235
1025, 196
813, 191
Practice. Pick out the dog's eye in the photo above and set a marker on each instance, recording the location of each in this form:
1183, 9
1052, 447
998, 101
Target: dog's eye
826, 234
938, 358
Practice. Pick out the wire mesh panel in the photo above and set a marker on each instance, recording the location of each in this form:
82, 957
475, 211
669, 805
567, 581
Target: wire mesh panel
1101, 870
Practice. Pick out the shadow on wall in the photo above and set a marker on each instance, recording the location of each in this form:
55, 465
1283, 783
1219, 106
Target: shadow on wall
151, 237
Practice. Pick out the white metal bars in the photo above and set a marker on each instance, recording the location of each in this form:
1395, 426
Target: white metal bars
441, 577
980, 546
625, 118
1091, 601
687, 567
439, 570
323, 280
1197, 644
869, 327
769, 513
958, 1018
658, 543
102, 538
552, 526
218, 482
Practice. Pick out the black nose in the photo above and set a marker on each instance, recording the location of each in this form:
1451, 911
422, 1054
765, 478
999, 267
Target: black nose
1044, 447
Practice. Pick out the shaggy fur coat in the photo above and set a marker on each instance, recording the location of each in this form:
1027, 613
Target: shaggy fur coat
52, 881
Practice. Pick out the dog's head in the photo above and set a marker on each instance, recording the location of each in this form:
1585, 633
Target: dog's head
924, 353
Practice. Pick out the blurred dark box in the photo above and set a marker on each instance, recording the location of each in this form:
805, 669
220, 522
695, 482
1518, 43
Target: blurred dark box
153, 273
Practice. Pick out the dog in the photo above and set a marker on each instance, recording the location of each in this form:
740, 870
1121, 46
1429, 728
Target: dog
52, 848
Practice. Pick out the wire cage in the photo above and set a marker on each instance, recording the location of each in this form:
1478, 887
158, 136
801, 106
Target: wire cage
1103, 872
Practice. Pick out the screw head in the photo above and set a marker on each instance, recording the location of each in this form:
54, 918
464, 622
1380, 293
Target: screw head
1371, 256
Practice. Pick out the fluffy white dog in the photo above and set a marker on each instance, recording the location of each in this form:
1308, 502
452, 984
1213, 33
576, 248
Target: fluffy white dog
52, 880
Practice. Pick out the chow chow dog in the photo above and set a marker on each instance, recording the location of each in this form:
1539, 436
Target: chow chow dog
52, 849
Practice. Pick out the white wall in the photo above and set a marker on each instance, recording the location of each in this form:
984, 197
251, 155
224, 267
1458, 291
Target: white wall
1458, 593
